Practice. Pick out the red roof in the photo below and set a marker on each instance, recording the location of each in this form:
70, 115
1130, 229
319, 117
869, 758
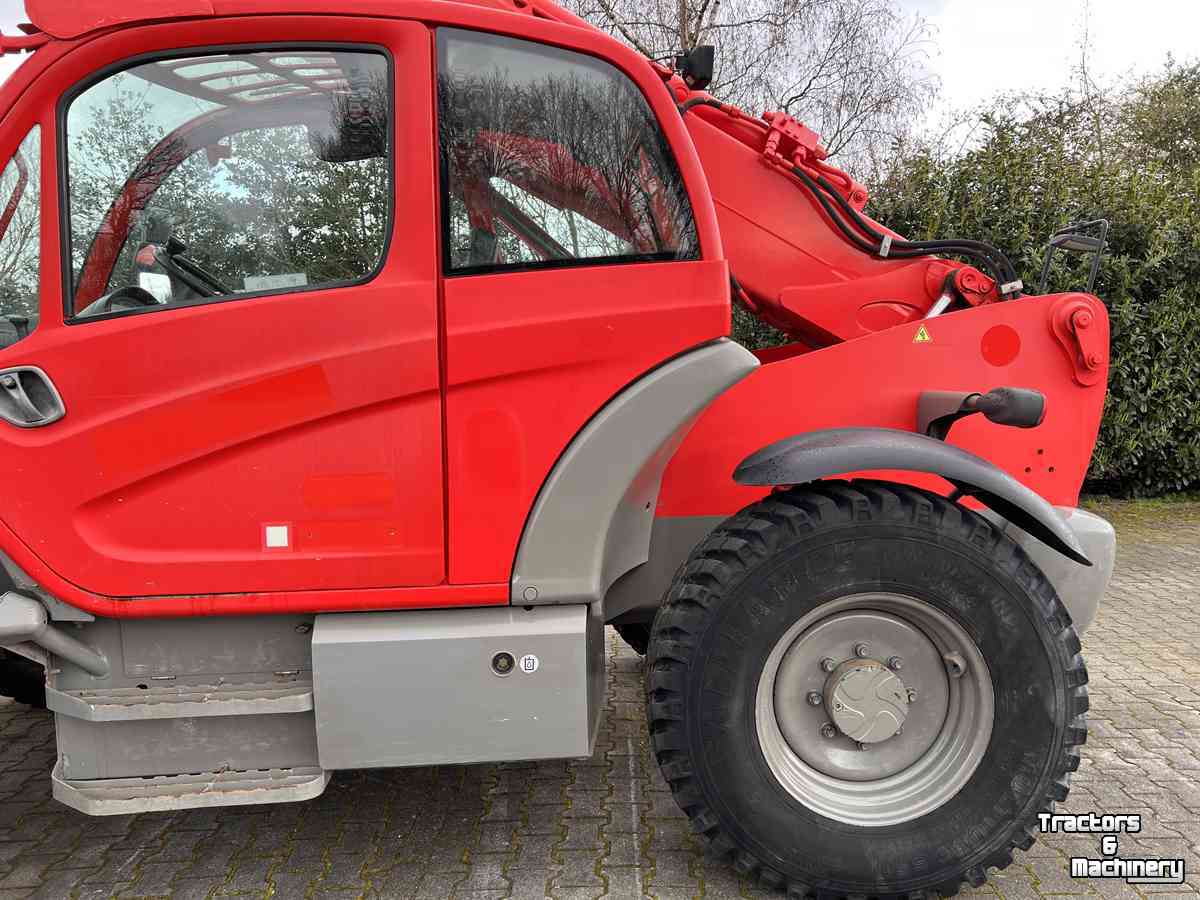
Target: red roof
67, 19
78, 17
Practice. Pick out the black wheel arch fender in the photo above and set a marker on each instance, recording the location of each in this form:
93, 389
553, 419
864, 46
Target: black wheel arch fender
839, 451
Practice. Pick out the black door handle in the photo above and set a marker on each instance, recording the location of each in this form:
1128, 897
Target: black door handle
28, 398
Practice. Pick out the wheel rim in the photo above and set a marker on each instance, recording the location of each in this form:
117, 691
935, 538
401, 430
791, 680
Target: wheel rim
837, 685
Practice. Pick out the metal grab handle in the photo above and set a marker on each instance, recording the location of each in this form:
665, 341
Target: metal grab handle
28, 398
1076, 239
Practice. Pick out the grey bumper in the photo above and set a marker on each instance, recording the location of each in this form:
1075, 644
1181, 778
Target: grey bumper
1080, 587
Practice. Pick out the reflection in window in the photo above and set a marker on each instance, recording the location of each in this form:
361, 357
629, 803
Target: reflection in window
206, 177
20, 240
552, 157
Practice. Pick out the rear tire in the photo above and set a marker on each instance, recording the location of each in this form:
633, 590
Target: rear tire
22, 679
828, 562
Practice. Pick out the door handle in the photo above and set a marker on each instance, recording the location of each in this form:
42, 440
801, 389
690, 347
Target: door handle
28, 398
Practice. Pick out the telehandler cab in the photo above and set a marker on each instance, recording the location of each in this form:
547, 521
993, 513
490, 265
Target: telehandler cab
359, 366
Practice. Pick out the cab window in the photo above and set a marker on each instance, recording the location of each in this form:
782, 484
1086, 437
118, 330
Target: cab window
551, 158
204, 178
20, 240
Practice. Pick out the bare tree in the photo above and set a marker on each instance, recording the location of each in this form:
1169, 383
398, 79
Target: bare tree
854, 70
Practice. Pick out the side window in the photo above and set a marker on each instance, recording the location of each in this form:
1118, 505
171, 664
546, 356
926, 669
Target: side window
20, 240
551, 158
209, 177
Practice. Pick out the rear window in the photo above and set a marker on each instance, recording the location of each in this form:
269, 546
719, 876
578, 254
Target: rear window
551, 158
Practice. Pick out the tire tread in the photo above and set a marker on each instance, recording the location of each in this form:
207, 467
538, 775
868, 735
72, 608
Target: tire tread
751, 536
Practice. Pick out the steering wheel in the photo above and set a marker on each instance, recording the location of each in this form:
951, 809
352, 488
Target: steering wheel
129, 297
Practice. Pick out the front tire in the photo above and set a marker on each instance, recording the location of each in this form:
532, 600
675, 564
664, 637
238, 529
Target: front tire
779, 707
636, 635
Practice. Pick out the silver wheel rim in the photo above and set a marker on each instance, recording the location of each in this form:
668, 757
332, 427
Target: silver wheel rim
946, 727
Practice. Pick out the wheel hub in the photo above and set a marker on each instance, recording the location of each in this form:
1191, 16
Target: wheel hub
866, 700
865, 741
822, 660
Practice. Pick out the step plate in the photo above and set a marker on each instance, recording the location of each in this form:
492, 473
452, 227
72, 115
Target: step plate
182, 702
123, 796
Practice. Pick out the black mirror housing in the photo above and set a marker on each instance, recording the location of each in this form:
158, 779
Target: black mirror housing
696, 66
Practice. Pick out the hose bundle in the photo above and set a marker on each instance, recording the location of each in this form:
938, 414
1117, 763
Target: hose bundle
860, 233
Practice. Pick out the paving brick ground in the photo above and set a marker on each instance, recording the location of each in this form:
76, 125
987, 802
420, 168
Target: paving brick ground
606, 826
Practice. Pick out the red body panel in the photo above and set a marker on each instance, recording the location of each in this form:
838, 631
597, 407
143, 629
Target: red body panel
403, 428
875, 381
200, 432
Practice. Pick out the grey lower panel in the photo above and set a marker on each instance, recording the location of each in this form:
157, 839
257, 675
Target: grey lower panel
1081, 588
592, 519
418, 688
141, 748
192, 651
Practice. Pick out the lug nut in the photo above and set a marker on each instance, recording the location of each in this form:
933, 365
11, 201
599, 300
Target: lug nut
895, 663
828, 731
828, 665
814, 698
955, 664
862, 649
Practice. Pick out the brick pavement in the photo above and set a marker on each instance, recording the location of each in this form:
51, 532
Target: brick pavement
607, 825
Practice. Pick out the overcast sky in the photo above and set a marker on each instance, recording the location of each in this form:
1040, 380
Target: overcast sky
983, 47
986, 46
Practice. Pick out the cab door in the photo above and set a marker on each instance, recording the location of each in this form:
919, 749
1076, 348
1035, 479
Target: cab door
577, 257
238, 313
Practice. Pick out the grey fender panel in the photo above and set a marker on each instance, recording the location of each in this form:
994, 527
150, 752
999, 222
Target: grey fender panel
592, 519
838, 451
672, 539
1080, 589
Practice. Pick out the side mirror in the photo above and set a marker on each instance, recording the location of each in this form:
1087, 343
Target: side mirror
1082, 237
696, 66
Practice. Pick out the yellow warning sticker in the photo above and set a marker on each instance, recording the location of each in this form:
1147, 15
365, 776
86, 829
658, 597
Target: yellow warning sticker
923, 336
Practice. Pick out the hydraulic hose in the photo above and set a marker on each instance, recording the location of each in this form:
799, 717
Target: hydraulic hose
869, 239
977, 249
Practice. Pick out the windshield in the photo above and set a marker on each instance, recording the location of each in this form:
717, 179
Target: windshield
208, 177
20, 240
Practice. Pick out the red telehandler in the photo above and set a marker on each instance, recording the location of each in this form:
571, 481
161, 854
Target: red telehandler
358, 366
